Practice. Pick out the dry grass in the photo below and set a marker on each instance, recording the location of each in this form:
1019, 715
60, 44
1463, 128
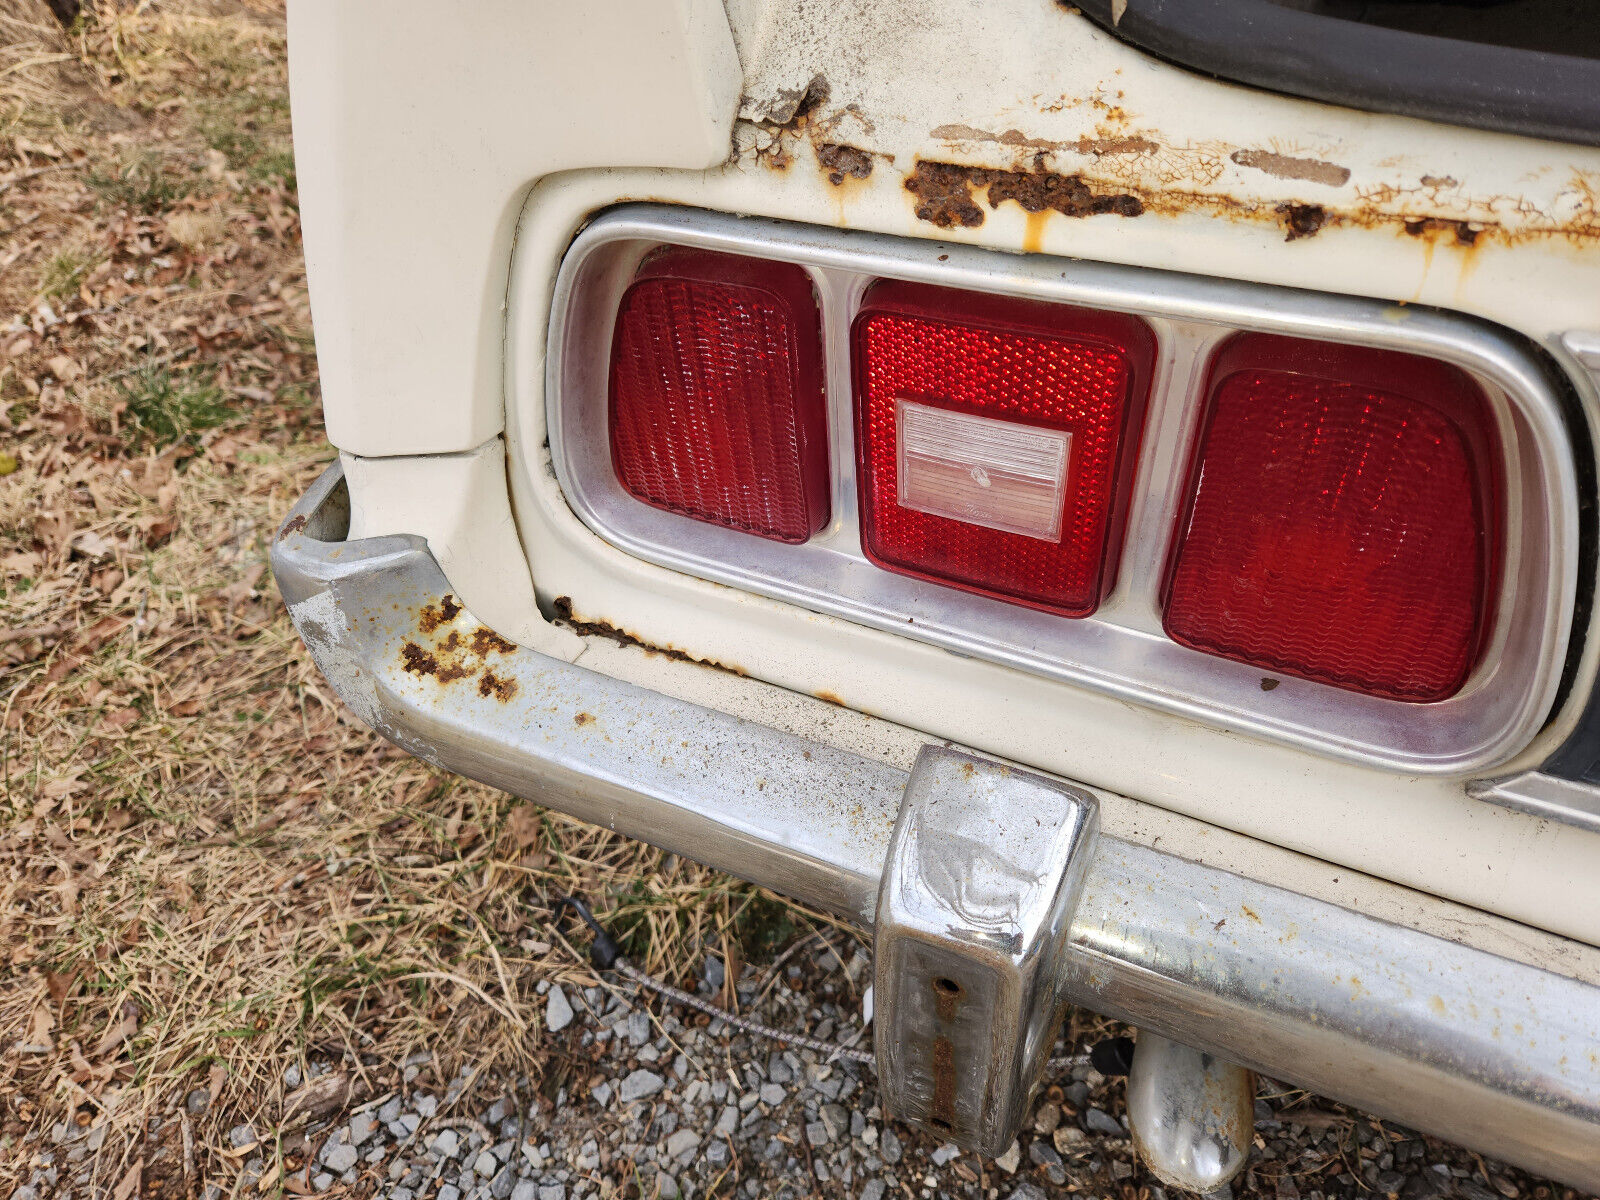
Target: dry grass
208, 869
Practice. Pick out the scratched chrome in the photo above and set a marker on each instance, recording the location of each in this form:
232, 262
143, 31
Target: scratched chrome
1444, 1038
983, 872
1121, 650
1569, 801
1191, 1113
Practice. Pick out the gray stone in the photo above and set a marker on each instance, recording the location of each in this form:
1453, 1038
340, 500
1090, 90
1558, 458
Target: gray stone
501, 1185
485, 1165
717, 1154
197, 1101
668, 1186
601, 1093
640, 1084
682, 1144
525, 1190
889, 1147
322, 1182
557, 1011
817, 1133
1096, 1121
1041, 1154
361, 1127
553, 1191
1026, 1191
637, 1027
240, 1136
874, 1190
448, 1192
771, 1093
390, 1112
945, 1153
727, 1122
715, 973
339, 1158
446, 1143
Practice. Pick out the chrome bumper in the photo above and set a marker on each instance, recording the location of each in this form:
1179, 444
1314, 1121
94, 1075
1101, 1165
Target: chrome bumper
1444, 1038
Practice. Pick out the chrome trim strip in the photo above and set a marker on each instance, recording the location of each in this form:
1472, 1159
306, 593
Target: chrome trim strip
1440, 1036
1121, 650
1569, 801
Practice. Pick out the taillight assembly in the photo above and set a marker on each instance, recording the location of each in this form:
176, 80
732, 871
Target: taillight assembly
1152, 486
1342, 520
995, 439
716, 399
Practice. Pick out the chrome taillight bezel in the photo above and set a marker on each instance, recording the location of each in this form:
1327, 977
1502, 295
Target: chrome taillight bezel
1121, 649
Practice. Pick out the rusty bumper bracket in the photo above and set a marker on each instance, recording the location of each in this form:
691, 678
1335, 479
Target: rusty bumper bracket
1443, 1037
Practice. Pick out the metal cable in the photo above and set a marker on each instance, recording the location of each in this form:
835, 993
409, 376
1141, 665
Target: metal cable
831, 1049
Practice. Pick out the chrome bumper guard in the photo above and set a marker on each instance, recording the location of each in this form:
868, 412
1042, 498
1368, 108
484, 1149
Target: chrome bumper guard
1442, 1037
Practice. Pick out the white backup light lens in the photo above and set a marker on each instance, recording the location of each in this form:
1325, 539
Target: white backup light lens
997, 474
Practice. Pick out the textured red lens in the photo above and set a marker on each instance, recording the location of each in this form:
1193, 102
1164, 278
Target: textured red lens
716, 394
1033, 367
1342, 520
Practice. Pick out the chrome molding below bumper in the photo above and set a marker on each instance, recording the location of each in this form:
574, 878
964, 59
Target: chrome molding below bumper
1442, 1037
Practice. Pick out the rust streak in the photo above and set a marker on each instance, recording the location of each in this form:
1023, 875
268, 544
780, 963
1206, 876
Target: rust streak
1281, 166
604, 629
944, 1082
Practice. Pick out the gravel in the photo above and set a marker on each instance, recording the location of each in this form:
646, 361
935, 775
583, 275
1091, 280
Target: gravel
698, 1109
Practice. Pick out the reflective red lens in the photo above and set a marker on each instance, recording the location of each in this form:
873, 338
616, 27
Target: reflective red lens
996, 439
716, 393
1342, 523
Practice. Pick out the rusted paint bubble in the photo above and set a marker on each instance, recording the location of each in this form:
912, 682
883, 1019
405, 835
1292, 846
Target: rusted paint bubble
490, 684
945, 194
293, 525
1301, 220
435, 615
1464, 233
1069, 195
414, 660
843, 162
486, 642
1282, 166
583, 718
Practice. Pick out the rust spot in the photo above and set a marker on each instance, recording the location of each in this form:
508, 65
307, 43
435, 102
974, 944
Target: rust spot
490, 684
947, 995
486, 642
966, 769
1465, 234
604, 629
1097, 146
1281, 166
1440, 181
583, 718
414, 660
944, 1082
443, 613
831, 698
451, 643
945, 194
292, 525
1268, 683
1302, 220
1250, 912
844, 162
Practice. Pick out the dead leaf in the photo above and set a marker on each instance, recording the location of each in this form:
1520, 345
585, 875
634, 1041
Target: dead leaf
91, 544
130, 1181
64, 368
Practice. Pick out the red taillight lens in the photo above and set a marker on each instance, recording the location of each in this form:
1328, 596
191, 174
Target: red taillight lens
716, 393
1342, 522
996, 440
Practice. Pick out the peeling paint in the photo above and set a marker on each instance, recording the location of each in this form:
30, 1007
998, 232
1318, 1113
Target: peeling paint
946, 193
1282, 166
